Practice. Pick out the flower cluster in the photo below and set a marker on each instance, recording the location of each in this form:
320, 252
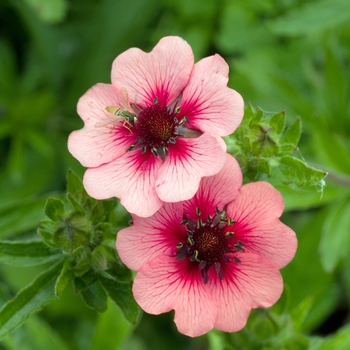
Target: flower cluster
203, 244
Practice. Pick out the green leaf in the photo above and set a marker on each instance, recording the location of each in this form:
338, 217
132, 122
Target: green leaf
95, 297
74, 183
29, 300
26, 253
65, 277
118, 270
292, 134
76, 205
277, 122
335, 239
294, 171
121, 294
299, 313
105, 337
54, 208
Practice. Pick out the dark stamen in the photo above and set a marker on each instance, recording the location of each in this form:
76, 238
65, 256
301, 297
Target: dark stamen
205, 276
189, 233
154, 151
184, 221
239, 246
237, 260
218, 270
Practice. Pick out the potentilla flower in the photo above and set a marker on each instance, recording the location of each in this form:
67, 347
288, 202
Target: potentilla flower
152, 134
212, 258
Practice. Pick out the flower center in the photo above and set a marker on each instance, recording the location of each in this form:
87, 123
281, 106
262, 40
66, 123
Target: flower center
208, 242
155, 125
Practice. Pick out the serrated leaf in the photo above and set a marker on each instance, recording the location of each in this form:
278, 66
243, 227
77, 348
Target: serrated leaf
26, 253
29, 300
119, 271
257, 116
65, 277
292, 134
295, 171
278, 122
97, 212
249, 114
54, 208
95, 297
286, 149
335, 239
121, 294
76, 205
79, 285
74, 183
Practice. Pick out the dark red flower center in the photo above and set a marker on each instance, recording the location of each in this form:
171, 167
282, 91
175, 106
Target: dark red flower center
209, 242
155, 125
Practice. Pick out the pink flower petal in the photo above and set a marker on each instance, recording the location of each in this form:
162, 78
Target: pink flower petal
207, 101
150, 237
257, 210
130, 178
164, 283
215, 191
255, 282
92, 105
188, 161
162, 73
100, 141
96, 146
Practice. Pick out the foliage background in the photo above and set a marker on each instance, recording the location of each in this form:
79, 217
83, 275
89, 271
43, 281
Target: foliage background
290, 55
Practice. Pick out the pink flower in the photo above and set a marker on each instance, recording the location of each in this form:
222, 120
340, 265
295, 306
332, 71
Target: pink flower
152, 134
212, 258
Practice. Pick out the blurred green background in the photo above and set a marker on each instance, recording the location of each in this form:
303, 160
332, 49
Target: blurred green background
290, 55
